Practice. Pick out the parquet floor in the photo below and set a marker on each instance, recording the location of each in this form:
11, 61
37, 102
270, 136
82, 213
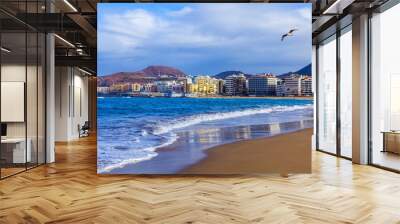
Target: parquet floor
70, 191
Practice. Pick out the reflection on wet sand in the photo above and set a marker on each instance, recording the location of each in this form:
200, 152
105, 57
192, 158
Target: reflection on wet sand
191, 145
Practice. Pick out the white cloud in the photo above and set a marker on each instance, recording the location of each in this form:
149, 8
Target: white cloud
305, 13
181, 12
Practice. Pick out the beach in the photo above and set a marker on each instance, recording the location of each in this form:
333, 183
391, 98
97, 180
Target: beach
228, 150
283, 153
171, 135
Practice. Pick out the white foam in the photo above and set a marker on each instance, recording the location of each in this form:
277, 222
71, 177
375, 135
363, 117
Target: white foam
152, 154
197, 119
144, 133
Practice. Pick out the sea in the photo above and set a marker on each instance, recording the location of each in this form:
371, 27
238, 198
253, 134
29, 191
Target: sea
132, 130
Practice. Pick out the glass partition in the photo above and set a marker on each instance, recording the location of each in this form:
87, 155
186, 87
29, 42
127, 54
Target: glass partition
327, 95
385, 89
13, 94
22, 87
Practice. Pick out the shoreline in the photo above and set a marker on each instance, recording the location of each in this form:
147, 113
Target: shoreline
183, 157
286, 153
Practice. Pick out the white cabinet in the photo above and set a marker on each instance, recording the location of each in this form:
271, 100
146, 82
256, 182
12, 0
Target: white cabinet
19, 155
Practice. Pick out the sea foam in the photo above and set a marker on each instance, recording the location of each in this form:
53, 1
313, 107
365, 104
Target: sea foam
151, 154
197, 119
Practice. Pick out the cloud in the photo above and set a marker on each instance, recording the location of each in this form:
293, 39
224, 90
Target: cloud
210, 37
181, 12
305, 13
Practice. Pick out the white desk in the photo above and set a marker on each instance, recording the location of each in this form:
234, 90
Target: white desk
19, 153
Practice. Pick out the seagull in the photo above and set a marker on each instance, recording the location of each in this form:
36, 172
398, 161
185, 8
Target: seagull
288, 34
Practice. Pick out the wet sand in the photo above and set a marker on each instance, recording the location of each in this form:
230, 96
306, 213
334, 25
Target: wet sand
251, 149
284, 153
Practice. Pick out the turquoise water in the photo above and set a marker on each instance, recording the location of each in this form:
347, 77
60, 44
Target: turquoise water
131, 129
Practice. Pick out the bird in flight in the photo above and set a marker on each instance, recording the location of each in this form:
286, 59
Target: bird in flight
288, 34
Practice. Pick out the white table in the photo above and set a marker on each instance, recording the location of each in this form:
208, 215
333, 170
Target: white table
19, 153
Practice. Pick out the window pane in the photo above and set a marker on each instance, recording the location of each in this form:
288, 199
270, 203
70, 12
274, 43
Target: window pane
385, 83
346, 93
327, 96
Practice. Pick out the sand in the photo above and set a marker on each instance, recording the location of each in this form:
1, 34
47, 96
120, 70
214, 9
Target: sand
285, 153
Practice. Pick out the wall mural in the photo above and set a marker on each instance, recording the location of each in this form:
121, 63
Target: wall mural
204, 88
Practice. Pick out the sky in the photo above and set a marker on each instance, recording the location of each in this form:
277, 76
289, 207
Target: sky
203, 38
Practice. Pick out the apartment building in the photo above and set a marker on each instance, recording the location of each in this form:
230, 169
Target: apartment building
235, 85
262, 85
306, 86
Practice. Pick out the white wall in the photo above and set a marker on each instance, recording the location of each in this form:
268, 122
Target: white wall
71, 102
12, 73
33, 126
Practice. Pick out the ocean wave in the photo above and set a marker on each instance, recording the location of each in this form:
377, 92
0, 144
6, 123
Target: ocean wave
144, 132
197, 119
151, 154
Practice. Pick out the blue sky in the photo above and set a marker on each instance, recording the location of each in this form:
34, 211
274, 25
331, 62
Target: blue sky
203, 38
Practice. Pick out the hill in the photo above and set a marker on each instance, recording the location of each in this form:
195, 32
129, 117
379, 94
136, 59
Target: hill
145, 75
306, 70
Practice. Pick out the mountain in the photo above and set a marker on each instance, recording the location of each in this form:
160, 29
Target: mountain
145, 75
225, 74
306, 70
159, 71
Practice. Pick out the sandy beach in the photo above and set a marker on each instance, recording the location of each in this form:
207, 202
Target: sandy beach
284, 153
253, 149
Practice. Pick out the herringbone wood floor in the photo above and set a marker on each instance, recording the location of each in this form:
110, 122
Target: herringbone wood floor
70, 191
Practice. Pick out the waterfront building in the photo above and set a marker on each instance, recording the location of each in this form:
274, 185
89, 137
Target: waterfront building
306, 86
136, 87
220, 86
149, 87
262, 85
235, 85
280, 87
120, 88
103, 89
206, 85
164, 86
192, 88
179, 86
292, 85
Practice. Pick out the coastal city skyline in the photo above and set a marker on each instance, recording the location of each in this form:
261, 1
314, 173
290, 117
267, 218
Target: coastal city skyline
163, 81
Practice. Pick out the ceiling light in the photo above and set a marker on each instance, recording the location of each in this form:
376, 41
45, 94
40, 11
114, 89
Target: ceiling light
70, 5
337, 7
5, 50
84, 71
65, 41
